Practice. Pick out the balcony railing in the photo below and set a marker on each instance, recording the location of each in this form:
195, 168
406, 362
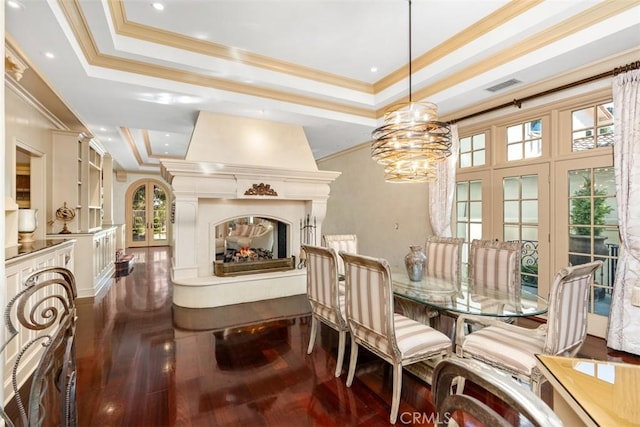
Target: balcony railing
605, 277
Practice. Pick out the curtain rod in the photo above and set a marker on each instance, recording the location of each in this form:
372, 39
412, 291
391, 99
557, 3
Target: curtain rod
518, 102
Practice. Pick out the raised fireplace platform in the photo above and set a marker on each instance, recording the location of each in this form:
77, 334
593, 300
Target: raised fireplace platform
213, 291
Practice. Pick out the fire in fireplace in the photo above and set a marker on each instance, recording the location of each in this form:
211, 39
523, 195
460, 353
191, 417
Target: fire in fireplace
248, 245
247, 254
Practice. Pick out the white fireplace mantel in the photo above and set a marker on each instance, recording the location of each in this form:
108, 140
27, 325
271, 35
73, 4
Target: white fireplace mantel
208, 193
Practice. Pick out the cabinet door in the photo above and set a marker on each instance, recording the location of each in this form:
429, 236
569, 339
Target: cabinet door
147, 220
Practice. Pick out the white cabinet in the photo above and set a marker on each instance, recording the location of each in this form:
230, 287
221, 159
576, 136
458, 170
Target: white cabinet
95, 260
77, 167
19, 263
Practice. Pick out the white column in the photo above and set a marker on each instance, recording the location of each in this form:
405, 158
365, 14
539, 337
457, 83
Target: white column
107, 190
184, 236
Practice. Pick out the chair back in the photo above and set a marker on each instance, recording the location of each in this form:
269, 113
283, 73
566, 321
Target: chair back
443, 257
496, 265
341, 242
322, 284
568, 299
40, 322
369, 304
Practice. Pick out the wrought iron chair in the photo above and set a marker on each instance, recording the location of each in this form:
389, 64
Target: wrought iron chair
327, 304
44, 313
512, 348
494, 382
396, 339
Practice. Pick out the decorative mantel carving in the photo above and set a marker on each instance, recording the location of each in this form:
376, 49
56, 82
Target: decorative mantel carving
14, 64
261, 189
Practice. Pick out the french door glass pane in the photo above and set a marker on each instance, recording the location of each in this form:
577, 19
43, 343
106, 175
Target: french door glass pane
520, 219
159, 213
475, 190
469, 213
139, 205
593, 229
475, 211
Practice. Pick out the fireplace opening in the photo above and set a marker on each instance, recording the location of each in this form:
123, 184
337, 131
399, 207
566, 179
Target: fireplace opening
252, 244
247, 255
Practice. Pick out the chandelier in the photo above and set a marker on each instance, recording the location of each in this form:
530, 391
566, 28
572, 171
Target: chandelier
411, 141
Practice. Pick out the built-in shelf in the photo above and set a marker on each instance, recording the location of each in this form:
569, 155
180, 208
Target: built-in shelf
23, 186
82, 172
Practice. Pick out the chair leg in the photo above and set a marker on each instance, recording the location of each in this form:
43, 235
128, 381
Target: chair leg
341, 344
536, 380
314, 332
397, 387
352, 362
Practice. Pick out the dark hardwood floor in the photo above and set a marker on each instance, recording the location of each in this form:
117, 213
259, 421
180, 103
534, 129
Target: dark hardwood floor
144, 362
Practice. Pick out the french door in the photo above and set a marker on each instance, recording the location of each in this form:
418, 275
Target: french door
521, 207
587, 228
147, 214
509, 204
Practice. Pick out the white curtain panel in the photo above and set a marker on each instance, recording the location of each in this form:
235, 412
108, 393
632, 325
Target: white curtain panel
624, 320
441, 192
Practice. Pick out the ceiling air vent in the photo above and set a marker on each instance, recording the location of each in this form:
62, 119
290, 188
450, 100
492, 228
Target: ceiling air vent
503, 85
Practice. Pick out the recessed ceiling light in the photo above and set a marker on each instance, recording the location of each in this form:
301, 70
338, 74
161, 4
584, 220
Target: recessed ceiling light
166, 152
166, 144
374, 69
103, 128
166, 134
157, 6
13, 4
49, 55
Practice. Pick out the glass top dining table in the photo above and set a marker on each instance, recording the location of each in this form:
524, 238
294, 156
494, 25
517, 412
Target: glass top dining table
466, 298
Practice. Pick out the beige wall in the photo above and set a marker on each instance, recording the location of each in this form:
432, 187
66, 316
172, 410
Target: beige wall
386, 217
27, 127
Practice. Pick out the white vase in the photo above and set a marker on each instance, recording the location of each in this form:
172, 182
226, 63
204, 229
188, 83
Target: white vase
27, 224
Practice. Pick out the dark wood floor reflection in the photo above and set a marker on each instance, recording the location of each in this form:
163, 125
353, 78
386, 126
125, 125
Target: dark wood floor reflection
143, 362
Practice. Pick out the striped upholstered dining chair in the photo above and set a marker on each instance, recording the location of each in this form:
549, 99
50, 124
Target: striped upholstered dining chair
443, 257
443, 261
327, 304
341, 242
512, 348
496, 265
396, 339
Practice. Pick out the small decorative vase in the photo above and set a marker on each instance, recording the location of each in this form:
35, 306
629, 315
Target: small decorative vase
415, 262
27, 224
